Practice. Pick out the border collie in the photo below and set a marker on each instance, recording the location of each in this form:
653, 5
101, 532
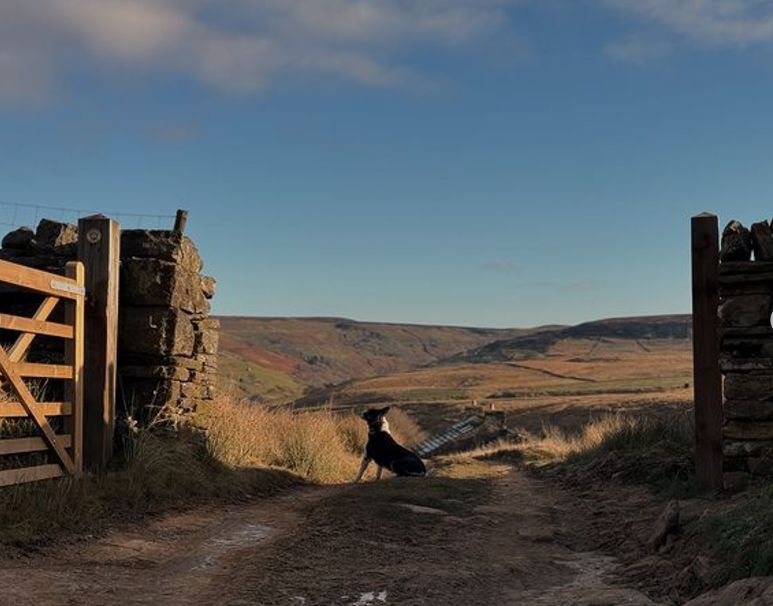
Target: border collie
383, 449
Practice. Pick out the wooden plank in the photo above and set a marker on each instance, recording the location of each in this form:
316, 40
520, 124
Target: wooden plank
30, 474
24, 445
74, 354
30, 325
100, 254
30, 405
40, 281
44, 371
48, 409
23, 342
707, 376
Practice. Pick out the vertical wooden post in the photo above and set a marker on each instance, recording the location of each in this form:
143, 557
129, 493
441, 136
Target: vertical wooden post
99, 248
707, 378
180, 220
74, 354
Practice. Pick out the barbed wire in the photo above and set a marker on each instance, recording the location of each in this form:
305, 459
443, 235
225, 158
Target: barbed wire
18, 214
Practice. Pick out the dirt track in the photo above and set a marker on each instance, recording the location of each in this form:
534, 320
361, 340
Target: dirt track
493, 536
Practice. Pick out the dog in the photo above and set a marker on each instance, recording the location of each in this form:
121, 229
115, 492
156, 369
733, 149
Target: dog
383, 449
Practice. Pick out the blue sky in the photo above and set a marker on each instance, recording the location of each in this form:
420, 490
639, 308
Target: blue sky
475, 162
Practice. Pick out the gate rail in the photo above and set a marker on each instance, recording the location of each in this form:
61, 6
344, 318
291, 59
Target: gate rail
67, 447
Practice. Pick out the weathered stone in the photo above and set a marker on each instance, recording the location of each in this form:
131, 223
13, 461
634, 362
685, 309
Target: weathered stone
190, 390
152, 282
19, 239
728, 363
745, 311
155, 331
748, 410
747, 448
756, 591
667, 523
188, 405
207, 341
163, 245
57, 238
762, 241
209, 361
177, 373
749, 386
147, 397
736, 429
760, 466
747, 349
736, 243
208, 286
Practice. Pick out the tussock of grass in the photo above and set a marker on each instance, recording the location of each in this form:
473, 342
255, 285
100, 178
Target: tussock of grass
650, 450
740, 539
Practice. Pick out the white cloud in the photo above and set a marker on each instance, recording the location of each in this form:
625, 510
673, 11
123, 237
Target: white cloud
238, 45
716, 23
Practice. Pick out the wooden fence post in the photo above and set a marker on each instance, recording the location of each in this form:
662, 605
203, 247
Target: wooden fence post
180, 220
707, 377
99, 249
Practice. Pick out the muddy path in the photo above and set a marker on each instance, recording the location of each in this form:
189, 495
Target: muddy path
487, 535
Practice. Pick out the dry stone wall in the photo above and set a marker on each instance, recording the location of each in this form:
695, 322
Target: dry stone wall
167, 343
746, 347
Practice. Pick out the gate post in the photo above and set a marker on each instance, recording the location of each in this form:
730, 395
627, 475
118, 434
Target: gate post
707, 377
99, 249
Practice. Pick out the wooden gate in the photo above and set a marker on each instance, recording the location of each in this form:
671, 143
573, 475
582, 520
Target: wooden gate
65, 448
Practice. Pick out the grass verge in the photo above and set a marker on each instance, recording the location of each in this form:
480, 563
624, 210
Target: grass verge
245, 450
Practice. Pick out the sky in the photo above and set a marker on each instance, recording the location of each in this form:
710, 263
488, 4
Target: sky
470, 162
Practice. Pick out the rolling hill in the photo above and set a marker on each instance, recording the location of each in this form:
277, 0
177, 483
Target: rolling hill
276, 359
271, 359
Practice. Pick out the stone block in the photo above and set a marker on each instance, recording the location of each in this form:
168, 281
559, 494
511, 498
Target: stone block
207, 341
177, 373
190, 390
744, 430
146, 397
57, 238
739, 348
19, 239
161, 244
749, 386
208, 286
736, 243
152, 282
746, 311
746, 448
156, 331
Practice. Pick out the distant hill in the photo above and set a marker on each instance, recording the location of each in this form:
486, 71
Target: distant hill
280, 358
643, 328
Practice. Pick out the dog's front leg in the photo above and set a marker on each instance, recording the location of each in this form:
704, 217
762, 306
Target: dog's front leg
363, 467
379, 472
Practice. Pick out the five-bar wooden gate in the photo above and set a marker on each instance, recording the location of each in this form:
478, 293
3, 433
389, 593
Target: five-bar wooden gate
65, 448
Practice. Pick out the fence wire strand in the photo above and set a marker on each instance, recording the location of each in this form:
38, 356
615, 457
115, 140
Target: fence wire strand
18, 214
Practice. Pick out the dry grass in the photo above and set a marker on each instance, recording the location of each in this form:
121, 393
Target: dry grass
652, 450
319, 446
246, 450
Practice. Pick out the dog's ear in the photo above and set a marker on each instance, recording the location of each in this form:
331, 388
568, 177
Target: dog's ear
384, 411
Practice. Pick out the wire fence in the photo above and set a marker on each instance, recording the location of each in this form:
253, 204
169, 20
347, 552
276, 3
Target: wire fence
17, 214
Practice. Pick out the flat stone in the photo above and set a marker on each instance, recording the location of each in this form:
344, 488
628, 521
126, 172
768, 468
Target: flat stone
666, 524
747, 448
746, 311
153, 282
748, 410
748, 430
177, 373
19, 239
156, 331
161, 244
207, 341
749, 386
735, 348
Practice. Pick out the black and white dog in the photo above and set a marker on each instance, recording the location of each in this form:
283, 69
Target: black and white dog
383, 449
